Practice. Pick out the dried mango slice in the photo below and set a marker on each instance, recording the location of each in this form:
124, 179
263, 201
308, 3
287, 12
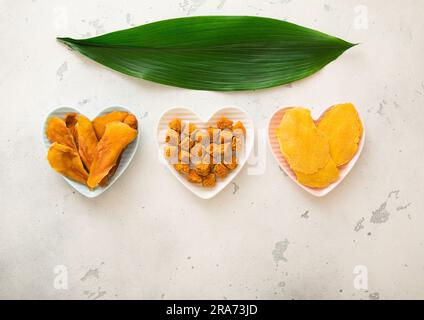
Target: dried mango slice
342, 126
58, 132
117, 136
86, 140
71, 120
100, 123
305, 148
131, 120
105, 180
67, 161
320, 179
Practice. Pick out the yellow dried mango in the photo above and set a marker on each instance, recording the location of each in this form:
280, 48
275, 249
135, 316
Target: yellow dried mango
67, 161
100, 123
342, 126
320, 179
117, 136
305, 148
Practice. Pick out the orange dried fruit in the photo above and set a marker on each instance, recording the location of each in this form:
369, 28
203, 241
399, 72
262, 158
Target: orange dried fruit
193, 177
57, 131
100, 123
343, 128
86, 139
117, 136
182, 168
175, 125
209, 181
206, 153
305, 148
224, 123
220, 170
66, 161
71, 120
320, 179
131, 120
202, 169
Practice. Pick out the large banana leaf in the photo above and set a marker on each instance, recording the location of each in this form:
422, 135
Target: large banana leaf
220, 53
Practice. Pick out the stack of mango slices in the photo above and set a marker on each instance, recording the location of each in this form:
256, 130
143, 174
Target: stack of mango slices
87, 151
315, 151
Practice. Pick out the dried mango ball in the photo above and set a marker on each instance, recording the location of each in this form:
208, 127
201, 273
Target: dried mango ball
305, 148
194, 177
320, 179
182, 168
343, 128
209, 181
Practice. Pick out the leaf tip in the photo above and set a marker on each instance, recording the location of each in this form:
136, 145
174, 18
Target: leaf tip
351, 45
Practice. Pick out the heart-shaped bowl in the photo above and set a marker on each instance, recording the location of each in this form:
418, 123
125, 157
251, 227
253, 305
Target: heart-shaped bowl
274, 123
232, 113
126, 157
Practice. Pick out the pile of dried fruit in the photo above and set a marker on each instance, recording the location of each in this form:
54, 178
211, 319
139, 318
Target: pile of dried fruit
202, 156
316, 150
89, 152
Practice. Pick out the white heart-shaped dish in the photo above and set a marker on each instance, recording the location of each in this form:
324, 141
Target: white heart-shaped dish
126, 157
274, 123
232, 113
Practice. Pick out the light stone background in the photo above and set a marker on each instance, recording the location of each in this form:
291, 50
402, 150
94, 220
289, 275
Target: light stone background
262, 237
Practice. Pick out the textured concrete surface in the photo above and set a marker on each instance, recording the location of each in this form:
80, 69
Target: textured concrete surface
262, 237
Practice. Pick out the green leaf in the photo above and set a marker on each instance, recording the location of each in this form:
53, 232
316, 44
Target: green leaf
219, 53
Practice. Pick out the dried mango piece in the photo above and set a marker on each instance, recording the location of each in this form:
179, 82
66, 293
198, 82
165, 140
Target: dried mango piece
224, 123
182, 168
105, 180
100, 123
305, 148
58, 132
87, 140
320, 179
342, 126
175, 125
209, 181
220, 170
193, 177
117, 136
202, 169
131, 120
71, 120
67, 161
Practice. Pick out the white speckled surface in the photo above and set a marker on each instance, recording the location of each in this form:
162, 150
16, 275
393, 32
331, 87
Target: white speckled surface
261, 237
